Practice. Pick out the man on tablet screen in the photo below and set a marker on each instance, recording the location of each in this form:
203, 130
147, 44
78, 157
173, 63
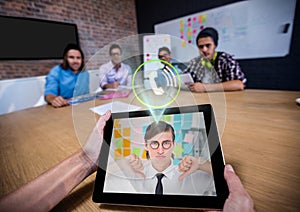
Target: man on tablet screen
158, 175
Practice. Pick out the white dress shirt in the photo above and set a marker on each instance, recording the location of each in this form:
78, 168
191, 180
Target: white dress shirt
198, 183
109, 75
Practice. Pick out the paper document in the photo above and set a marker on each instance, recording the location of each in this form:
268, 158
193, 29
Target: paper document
186, 78
115, 107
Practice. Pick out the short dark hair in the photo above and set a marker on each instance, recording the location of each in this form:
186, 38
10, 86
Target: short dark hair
114, 46
208, 32
65, 65
164, 48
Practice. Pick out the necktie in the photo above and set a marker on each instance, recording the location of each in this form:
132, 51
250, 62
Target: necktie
159, 187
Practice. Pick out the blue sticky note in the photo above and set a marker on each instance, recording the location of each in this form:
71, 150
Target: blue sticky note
188, 148
188, 117
186, 125
176, 161
178, 137
177, 117
177, 126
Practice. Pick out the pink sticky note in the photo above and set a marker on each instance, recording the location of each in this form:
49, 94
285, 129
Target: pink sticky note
189, 137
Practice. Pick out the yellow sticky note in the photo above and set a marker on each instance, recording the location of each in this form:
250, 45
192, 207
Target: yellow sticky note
118, 154
117, 123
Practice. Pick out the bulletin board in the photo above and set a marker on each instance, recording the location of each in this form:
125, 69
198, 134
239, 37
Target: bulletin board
247, 29
189, 129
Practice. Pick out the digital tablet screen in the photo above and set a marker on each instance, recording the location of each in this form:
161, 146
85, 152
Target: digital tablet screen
172, 159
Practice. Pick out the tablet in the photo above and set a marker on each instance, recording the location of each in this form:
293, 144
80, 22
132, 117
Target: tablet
162, 158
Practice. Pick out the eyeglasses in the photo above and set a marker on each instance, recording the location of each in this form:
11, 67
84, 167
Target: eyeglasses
115, 54
165, 144
162, 56
206, 45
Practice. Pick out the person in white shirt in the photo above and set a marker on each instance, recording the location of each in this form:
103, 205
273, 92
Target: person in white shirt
193, 176
115, 72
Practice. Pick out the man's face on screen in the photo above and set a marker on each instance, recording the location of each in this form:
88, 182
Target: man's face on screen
160, 148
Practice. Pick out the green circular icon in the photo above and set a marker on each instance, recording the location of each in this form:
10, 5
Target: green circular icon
156, 106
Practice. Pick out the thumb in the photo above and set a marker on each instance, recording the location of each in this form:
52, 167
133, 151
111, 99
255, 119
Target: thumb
185, 174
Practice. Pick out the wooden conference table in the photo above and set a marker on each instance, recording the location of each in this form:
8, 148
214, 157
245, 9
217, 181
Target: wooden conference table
259, 130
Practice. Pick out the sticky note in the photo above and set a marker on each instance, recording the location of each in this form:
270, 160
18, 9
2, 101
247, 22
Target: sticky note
144, 155
118, 154
126, 143
117, 123
126, 152
189, 137
186, 125
176, 161
119, 143
117, 133
178, 150
167, 118
126, 132
136, 151
178, 137
204, 18
188, 149
188, 117
177, 126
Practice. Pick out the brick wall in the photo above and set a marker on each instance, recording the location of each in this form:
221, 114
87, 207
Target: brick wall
99, 22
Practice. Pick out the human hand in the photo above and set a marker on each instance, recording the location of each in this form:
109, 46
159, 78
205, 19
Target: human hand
94, 142
238, 199
59, 101
136, 165
115, 84
197, 87
190, 164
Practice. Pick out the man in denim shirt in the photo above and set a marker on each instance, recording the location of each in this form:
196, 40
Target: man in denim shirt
67, 79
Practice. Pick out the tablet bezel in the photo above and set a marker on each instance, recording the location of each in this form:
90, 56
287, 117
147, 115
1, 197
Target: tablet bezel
177, 201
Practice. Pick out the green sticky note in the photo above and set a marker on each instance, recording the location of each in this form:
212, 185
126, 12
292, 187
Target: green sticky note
119, 143
136, 151
178, 150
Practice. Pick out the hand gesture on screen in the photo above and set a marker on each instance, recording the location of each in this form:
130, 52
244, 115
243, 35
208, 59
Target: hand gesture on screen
190, 164
136, 165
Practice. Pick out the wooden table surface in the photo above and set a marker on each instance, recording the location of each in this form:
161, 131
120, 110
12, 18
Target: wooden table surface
259, 130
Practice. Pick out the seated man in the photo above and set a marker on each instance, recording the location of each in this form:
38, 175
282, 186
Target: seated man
67, 79
227, 76
116, 72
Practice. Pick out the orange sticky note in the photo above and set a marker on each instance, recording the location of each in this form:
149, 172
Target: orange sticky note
118, 154
126, 152
126, 132
126, 143
144, 154
117, 134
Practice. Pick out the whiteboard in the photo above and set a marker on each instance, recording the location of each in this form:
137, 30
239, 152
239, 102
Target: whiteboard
247, 29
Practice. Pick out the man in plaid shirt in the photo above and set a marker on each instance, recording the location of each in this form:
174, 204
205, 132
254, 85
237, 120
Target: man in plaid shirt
214, 71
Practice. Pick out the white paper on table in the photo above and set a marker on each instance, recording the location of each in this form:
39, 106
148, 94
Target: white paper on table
115, 107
